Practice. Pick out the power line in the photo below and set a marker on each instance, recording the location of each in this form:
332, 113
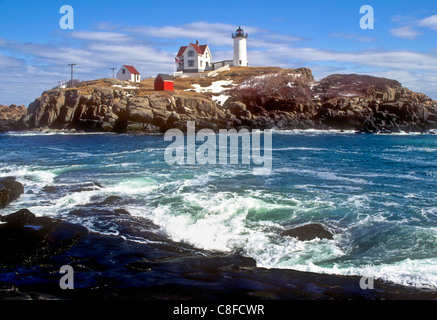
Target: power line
113, 76
71, 65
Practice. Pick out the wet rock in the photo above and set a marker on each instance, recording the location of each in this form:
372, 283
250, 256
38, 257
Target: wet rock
20, 218
121, 212
10, 190
111, 200
308, 232
86, 186
26, 239
50, 189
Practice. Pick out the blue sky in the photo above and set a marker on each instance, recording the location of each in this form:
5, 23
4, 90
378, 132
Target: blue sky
322, 35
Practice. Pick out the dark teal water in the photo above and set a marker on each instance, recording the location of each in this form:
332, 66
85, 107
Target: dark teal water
376, 193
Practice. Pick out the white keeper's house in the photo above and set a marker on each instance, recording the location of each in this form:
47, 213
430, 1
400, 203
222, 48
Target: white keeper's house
196, 58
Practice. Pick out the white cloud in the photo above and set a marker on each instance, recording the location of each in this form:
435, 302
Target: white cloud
106, 26
213, 33
7, 62
417, 71
41, 66
430, 22
407, 60
101, 36
406, 32
349, 36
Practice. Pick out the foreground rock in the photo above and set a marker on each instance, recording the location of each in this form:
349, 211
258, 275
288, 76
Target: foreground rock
308, 232
110, 268
10, 190
27, 240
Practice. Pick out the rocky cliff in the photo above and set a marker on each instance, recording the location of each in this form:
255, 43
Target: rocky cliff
258, 98
352, 102
9, 115
116, 110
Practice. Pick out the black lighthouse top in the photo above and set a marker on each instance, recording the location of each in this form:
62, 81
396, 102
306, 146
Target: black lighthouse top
239, 33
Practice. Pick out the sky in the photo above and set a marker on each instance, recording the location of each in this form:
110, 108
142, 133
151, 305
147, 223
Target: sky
324, 35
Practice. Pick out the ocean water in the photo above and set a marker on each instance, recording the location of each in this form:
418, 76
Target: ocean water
376, 193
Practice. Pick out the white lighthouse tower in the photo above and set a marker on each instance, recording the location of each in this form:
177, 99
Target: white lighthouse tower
240, 48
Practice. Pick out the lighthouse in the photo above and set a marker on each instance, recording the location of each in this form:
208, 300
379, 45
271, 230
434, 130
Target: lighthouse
240, 48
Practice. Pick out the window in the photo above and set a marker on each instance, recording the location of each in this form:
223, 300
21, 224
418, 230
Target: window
201, 63
191, 53
240, 62
123, 71
191, 63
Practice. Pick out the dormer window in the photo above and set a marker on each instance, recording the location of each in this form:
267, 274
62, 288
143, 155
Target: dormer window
191, 53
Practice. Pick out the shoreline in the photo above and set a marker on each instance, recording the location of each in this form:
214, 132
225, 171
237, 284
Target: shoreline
111, 268
215, 276
48, 131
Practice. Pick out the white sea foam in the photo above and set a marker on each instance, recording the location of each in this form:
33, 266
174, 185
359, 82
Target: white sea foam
313, 132
137, 186
324, 175
359, 201
51, 133
421, 273
221, 224
28, 174
300, 149
212, 221
62, 205
411, 149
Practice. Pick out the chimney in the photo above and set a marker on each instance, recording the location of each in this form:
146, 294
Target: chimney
197, 42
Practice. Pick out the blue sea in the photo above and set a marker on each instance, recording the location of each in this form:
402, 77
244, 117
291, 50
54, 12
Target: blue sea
376, 193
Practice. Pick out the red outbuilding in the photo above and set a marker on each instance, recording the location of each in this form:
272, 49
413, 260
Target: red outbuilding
163, 82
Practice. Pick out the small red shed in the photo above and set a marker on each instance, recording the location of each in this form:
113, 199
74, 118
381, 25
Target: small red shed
163, 82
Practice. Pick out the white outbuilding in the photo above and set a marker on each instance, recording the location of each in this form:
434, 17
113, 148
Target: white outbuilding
128, 73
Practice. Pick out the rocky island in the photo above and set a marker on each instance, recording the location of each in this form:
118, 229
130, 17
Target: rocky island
252, 97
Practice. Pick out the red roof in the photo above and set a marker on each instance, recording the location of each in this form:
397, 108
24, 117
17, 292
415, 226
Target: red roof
181, 51
200, 49
131, 69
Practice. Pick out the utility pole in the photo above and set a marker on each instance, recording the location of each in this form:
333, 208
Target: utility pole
113, 76
71, 65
